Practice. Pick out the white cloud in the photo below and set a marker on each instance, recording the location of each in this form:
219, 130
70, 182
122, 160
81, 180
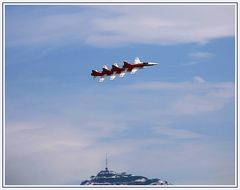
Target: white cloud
122, 25
199, 79
201, 55
191, 97
197, 83
196, 104
214, 99
55, 152
176, 133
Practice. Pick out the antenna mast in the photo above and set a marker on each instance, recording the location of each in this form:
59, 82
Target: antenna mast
106, 163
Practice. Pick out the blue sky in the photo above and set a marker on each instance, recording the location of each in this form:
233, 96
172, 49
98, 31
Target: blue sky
174, 121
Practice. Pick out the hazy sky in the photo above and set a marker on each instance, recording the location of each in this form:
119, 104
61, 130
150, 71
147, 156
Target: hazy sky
174, 121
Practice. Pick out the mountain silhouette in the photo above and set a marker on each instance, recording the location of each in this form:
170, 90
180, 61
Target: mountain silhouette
106, 177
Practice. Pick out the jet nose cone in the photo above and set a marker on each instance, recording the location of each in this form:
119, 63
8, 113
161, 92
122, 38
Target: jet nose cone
153, 63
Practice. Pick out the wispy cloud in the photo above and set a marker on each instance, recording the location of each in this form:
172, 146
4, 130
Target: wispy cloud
201, 55
176, 133
121, 25
55, 152
197, 83
197, 57
196, 96
199, 79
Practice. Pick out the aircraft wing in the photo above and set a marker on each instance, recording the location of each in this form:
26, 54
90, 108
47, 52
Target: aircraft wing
122, 74
105, 67
101, 79
134, 70
112, 77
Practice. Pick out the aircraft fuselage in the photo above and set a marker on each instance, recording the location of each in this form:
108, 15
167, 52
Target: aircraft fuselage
117, 70
107, 72
96, 73
130, 67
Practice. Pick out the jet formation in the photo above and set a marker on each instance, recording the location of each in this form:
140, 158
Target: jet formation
121, 70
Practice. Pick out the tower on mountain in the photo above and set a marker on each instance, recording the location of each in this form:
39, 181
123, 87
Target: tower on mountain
106, 163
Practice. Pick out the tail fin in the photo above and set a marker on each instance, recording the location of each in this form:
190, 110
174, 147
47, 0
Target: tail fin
115, 65
105, 67
94, 72
125, 63
137, 60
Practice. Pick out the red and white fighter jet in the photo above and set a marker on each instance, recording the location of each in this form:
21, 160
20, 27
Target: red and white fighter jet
121, 71
136, 65
102, 74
